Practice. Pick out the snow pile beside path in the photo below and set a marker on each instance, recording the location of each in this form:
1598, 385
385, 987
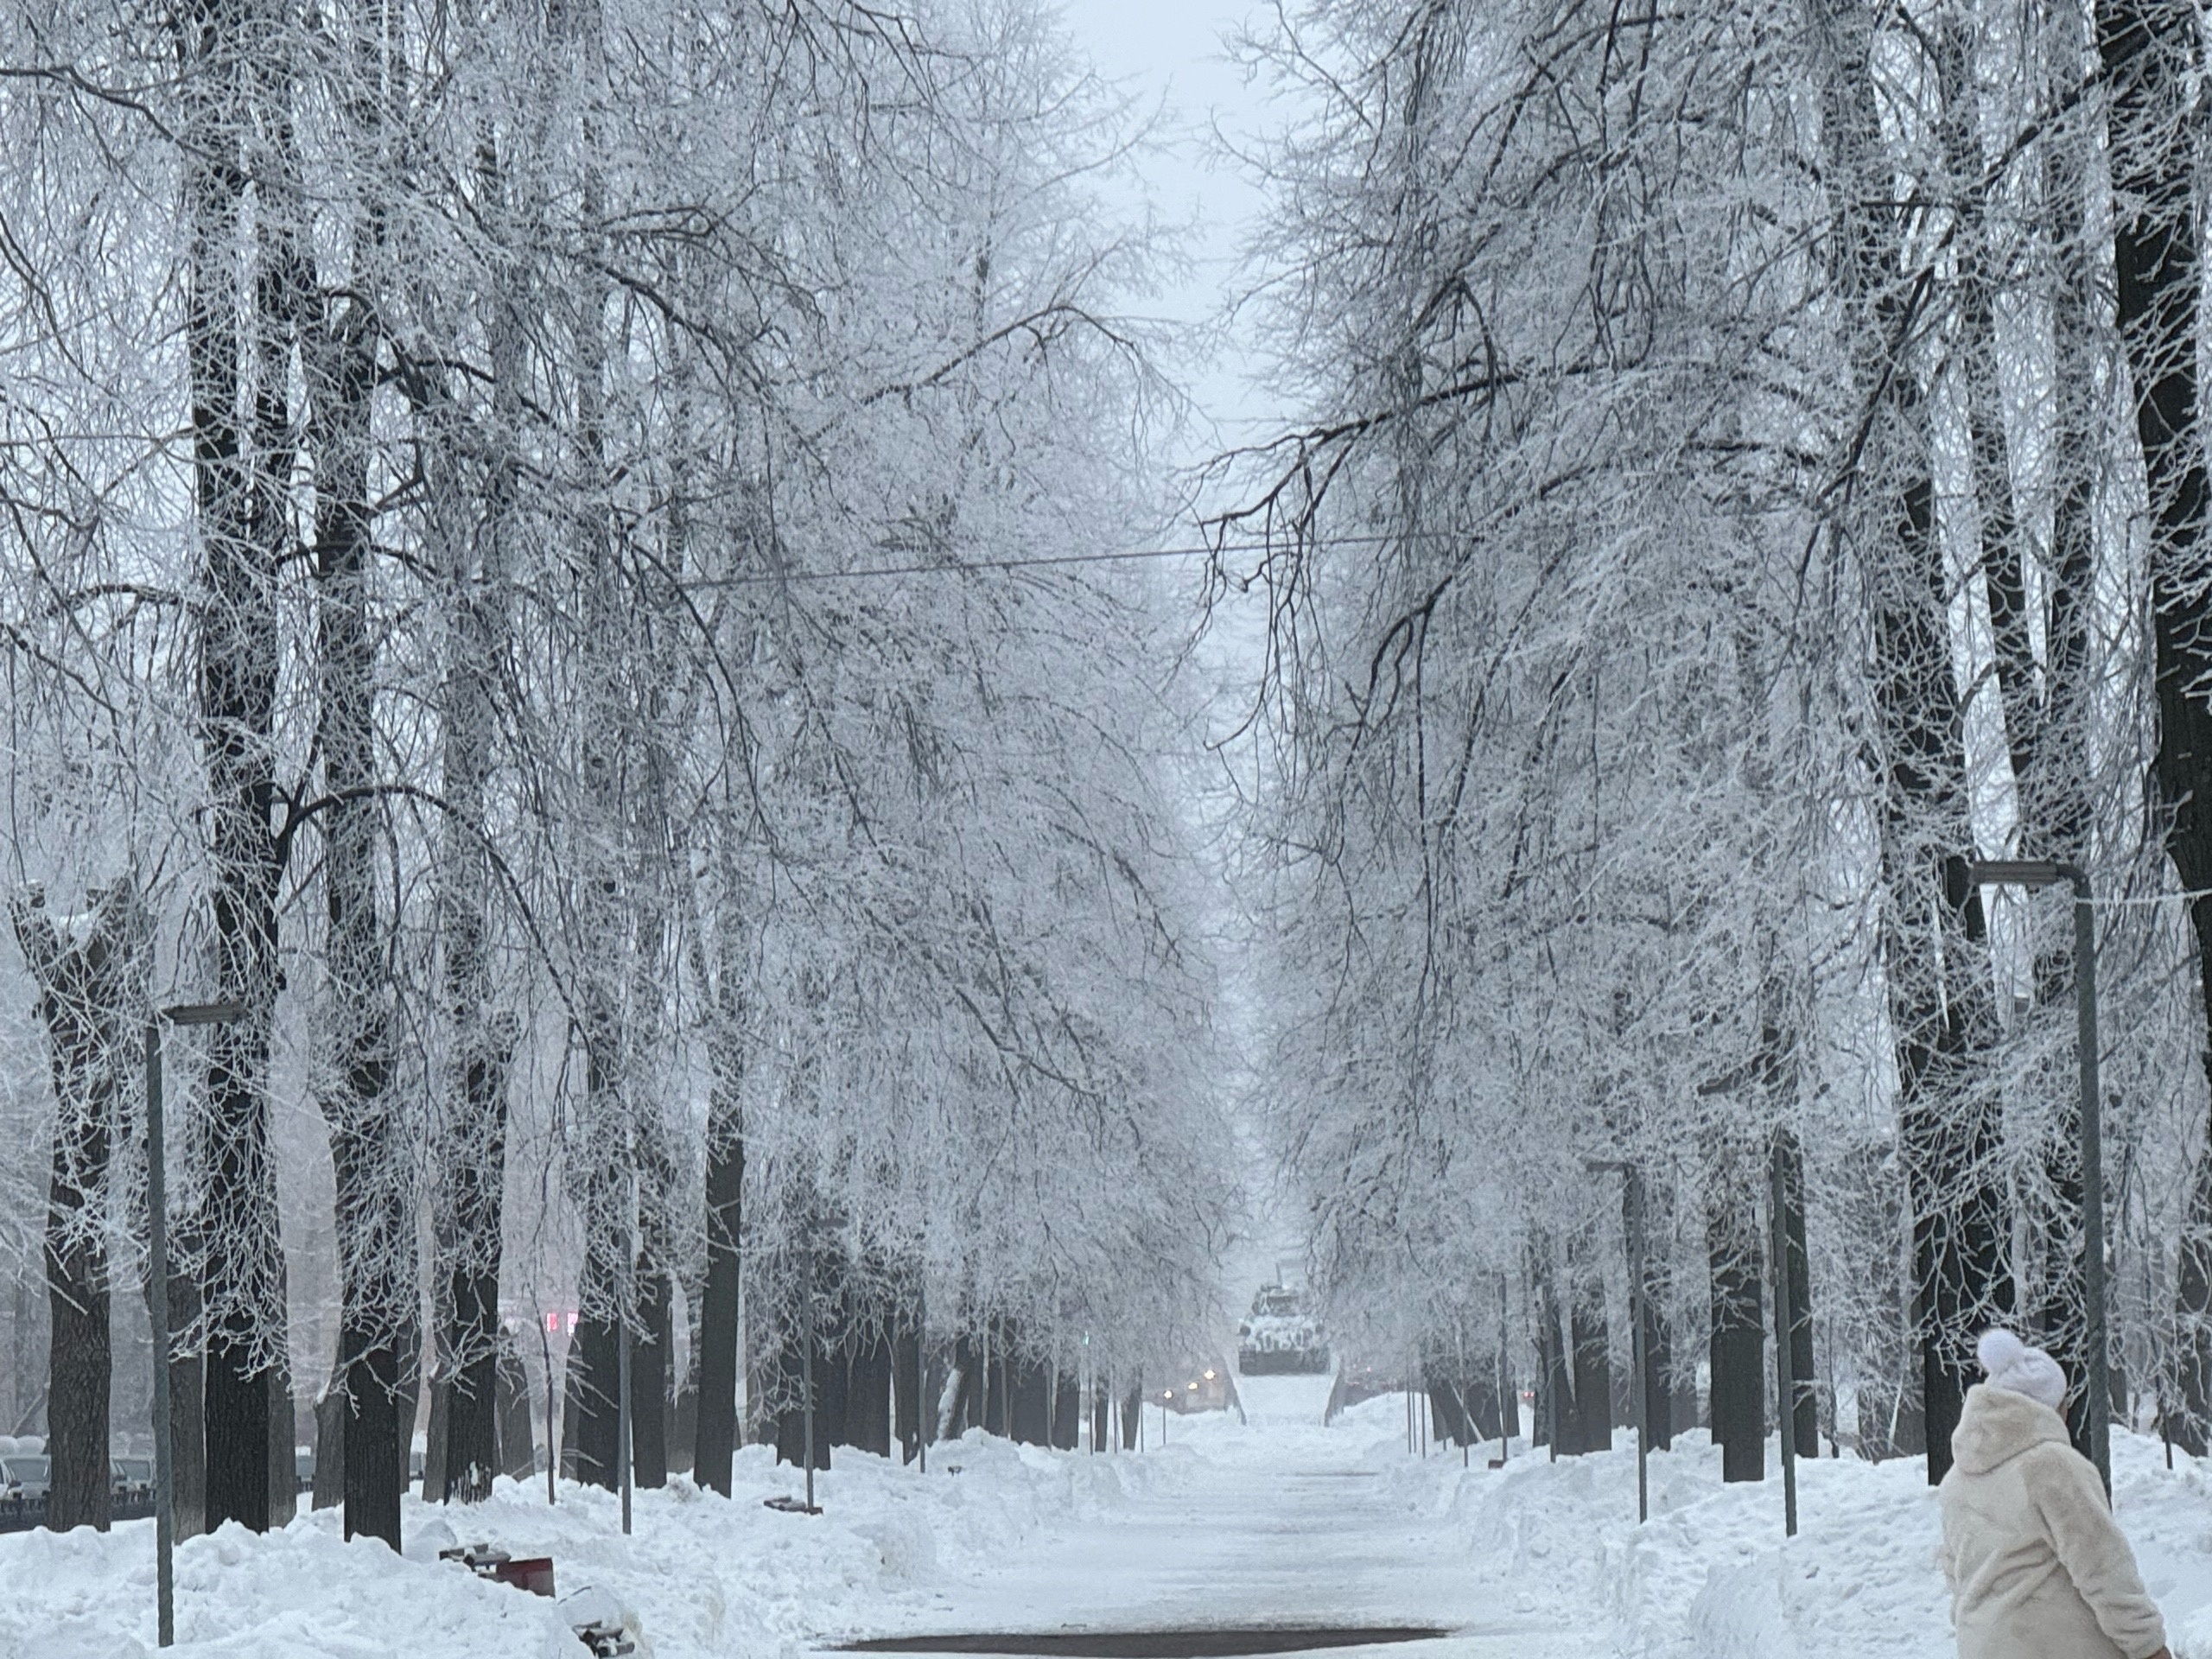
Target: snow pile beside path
705, 1575
1712, 1576
83, 1595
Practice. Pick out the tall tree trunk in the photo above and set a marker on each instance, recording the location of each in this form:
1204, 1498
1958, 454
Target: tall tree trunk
1029, 1404
1067, 1410
374, 1209
717, 1339
1593, 1356
1556, 1413
517, 1406
1736, 1265
1937, 970
1658, 1344
330, 1414
649, 1374
909, 1365
89, 991
2152, 60
2059, 786
594, 1358
1792, 1282
240, 489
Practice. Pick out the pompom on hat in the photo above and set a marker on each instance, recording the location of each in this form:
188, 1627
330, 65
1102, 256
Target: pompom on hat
2019, 1369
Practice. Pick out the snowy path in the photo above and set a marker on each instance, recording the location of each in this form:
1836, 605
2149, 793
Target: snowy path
1266, 1525
1224, 1527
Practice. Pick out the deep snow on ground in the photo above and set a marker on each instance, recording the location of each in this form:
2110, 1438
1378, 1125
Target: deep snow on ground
704, 1575
1276, 1521
1712, 1574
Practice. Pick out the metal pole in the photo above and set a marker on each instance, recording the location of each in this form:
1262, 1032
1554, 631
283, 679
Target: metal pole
1638, 1347
552, 1456
1784, 1379
2093, 1173
1503, 1439
157, 1265
622, 1406
628, 1299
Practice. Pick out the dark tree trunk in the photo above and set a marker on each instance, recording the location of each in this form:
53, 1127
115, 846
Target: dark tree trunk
1444, 1412
475, 1176
1953, 1128
649, 1369
517, 1413
965, 1386
833, 1365
1030, 1403
717, 1337
77, 1295
994, 1379
330, 1414
1593, 1375
437, 1436
1132, 1417
1480, 1413
284, 1463
911, 1385
867, 1408
1797, 1282
2151, 59
1556, 1419
188, 1390
472, 1150
239, 510
374, 1214
568, 1414
1938, 970
88, 993
1737, 1265
1658, 1340
595, 1360
1067, 1410
791, 1418
1658, 1376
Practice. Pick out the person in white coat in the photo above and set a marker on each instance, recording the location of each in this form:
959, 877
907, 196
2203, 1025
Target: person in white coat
2038, 1568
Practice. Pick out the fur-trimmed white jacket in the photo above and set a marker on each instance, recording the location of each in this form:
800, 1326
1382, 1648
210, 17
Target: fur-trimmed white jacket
2038, 1568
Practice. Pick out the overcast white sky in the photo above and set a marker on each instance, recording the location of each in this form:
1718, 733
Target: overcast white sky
1172, 50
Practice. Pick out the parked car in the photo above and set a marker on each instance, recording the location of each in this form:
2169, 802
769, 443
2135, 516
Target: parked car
24, 1479
1280, 1336
131, 1481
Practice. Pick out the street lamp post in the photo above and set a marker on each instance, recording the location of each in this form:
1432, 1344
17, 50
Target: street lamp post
2047, 873
157, 1269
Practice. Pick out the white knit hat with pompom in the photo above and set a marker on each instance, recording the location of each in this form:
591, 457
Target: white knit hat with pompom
2014, 1366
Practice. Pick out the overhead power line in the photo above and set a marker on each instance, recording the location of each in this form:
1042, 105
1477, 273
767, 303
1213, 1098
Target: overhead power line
980, 567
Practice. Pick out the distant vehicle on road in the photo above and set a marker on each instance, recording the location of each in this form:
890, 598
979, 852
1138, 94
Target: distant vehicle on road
130, 1481
1281, 1337
24, 1479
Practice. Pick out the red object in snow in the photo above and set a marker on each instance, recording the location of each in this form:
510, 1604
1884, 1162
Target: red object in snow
533, 1573
530, 1572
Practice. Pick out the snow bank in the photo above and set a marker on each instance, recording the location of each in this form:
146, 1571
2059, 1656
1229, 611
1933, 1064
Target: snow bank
704, 1575
1712, 1576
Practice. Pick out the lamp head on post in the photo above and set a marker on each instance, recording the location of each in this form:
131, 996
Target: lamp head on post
203, 1013
2022, 873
